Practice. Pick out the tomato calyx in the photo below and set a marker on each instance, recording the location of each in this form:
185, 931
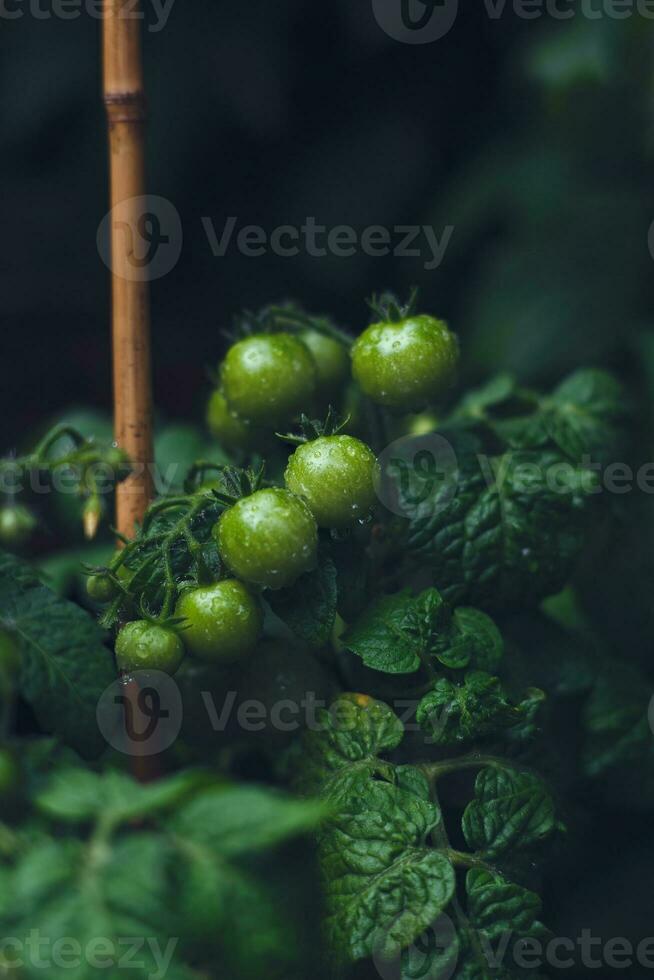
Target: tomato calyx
281, 317
250, 322
311, 429
387, 307
293, 318
237, 483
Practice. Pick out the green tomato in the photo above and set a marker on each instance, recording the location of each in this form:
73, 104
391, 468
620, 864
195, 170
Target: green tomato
269, 378
100, 588
334, 474
142, 645
269, 538
406, 365
224, 621
16, 526
332, 361
231, 431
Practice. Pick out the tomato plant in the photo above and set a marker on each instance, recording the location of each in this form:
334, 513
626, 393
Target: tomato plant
385, 687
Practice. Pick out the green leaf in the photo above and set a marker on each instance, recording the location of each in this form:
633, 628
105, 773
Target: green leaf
228, 897
65, 665
458, 713
472, 640
383, 886
496, 906
476, 402
398, 633
583, 414
500, 915
512, 810
75, 892
236, 919
309, 607
78, 795
204, 893
235, 820
393, 633
342, 750
511, 533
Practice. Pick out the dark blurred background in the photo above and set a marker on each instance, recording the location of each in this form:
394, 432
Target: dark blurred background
531, 138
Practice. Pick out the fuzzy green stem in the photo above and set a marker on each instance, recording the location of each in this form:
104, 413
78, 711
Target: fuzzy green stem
434, 770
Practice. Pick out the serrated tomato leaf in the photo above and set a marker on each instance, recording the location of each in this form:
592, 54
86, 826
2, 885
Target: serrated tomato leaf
79, 795
500, 916
388, 636
398, 633
65, 664
383, 884
512, 809
455, 713
343, 748
512, 531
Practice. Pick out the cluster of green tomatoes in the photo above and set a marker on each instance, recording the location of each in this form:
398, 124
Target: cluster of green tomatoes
269, 538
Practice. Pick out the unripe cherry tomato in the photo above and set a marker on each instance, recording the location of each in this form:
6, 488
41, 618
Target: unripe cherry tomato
100, 588
231, 431
269, 378
332, 360
16, 526
142, 645
408, 364
223, 621
334, 474
269, 538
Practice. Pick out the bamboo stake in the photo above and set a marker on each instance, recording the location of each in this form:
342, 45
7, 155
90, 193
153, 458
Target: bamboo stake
125, 104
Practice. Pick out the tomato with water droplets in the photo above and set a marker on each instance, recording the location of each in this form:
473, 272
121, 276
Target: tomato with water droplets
334, 474
222, 621
269, 538
268, 379
407, 364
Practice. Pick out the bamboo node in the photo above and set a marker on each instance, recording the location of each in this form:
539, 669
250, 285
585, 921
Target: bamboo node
125, 106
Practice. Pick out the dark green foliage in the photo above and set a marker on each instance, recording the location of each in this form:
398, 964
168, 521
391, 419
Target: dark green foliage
387, 866
511, 529
175, 884
64, 665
